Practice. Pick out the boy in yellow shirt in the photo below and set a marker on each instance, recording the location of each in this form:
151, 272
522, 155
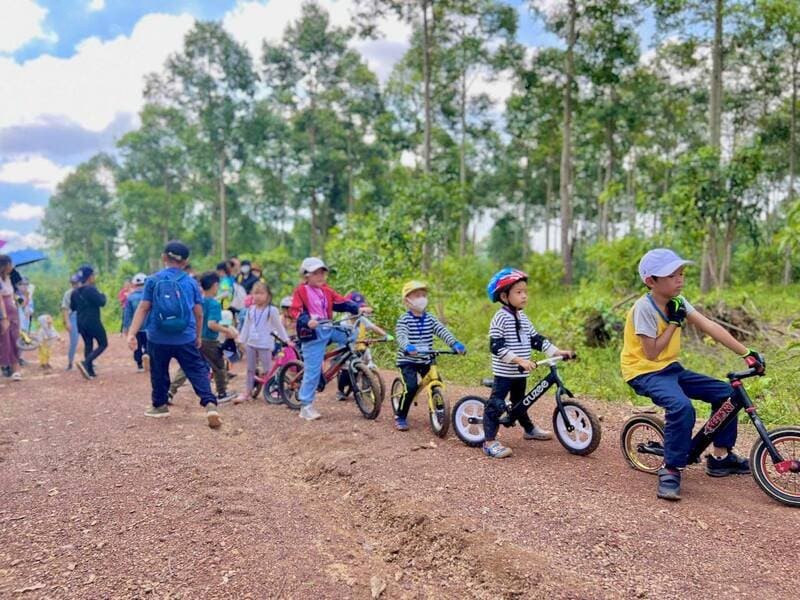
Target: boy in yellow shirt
650, 365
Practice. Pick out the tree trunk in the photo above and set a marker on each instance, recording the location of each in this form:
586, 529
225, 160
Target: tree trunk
565, 184
548, 207
426, 77
609, 175
715, 128
787, 257
351, 203
462, 165
223, 210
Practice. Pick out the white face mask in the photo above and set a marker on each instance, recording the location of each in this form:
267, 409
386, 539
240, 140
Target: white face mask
245, 269
418, 304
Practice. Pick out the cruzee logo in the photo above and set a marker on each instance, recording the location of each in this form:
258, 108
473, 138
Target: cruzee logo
718, 417
536, 392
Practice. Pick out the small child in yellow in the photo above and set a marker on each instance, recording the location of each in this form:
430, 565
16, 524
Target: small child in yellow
45, 336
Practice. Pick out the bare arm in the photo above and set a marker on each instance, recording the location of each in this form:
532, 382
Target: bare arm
138, 317
654, 346
716, 332
198, 322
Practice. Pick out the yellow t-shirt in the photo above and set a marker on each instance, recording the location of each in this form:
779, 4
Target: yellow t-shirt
645, 318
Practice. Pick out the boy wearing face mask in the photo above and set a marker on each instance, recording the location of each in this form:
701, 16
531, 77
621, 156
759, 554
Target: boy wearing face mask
414, 332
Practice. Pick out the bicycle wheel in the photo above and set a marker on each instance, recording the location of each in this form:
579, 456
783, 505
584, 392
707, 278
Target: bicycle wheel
290, 377
642, 443
381, 382
257, 385
783, 487
468, 420
585, 435
367, 391
398, 389
25, 343
271, 391
439, 413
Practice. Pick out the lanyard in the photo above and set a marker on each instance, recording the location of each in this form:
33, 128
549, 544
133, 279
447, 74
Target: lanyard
257, 317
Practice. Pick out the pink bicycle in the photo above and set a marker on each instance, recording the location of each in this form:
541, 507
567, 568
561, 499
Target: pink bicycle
267, 383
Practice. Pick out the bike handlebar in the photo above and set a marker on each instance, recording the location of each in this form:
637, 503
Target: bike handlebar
751, 372
431, 352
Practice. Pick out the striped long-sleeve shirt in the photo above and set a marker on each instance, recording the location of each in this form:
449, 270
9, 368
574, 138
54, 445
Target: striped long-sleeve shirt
419, 332
512, 336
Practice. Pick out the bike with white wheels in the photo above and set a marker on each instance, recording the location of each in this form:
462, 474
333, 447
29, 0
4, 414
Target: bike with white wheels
575, 426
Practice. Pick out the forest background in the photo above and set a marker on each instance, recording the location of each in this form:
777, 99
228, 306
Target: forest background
601, 152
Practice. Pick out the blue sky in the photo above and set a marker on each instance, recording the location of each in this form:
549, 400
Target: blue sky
71, 78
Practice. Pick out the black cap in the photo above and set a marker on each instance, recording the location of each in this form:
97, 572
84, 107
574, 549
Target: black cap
245, 262
177, 250
85, 272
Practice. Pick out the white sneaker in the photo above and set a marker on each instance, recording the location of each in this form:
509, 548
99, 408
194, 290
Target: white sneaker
309, 413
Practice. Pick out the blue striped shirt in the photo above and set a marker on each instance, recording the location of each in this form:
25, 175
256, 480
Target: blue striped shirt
419, 332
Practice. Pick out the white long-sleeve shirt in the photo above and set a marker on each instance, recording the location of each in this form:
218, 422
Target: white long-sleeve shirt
259, 323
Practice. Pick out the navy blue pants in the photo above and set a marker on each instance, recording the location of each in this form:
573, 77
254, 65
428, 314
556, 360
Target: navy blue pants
192, 363
409, 371
92, 332
141, 347
673, 388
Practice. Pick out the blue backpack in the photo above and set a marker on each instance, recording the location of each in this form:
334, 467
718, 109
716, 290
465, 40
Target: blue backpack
169, 307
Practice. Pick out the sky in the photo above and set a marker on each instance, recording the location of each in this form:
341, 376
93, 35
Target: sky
71, 78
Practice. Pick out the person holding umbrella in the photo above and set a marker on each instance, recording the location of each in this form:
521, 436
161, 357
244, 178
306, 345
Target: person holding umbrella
9, 320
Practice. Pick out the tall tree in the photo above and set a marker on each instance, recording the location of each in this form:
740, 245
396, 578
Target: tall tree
212, 82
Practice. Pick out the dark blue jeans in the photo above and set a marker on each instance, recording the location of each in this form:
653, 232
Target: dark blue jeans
672, 388
514, 388
192, 363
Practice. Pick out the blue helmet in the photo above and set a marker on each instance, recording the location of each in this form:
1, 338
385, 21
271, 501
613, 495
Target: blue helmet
502, 280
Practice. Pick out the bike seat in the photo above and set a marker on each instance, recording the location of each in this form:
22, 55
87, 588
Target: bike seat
487, 382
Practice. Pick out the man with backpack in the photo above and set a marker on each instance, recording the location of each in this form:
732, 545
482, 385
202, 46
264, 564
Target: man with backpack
172, 307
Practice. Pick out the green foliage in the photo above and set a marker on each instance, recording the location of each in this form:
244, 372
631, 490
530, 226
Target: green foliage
616, 263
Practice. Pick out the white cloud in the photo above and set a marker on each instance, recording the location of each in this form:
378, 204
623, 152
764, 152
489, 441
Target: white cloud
22, 22
101, 80
252, 21
34, 170
23, 211
16, 240
96, 5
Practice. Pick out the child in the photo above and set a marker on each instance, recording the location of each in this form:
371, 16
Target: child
45, 336
343, 384
314, 301
260, 321
512, 338
415, 330
650, 365
209, 339
134, 297
288, 322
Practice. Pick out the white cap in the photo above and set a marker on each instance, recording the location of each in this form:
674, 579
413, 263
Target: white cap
311, 264
286, 302
138, 279
660, 263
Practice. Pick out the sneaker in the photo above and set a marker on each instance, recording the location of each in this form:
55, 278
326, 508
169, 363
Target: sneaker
157, 411
140, 369
309, 413
16, 376
730, 465
496, 450
146, 362
226, 397
669, 484
400, 424
341, 396
84, 370
214, 420
170, 396
537, 433
240, 398
69, 367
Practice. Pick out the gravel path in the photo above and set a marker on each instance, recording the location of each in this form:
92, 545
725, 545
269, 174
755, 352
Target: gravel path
96, 501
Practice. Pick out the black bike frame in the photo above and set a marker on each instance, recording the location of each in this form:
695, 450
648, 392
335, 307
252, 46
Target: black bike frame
729, 411
522, 406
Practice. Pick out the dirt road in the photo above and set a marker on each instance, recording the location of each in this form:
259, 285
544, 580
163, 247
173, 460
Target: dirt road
97, 501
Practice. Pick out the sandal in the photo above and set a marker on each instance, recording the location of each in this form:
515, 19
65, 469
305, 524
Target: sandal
16, 376
669, 484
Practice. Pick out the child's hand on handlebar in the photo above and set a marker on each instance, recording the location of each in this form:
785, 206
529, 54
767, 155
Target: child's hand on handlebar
525, 365
755, 360
410, 349
459, 347
567, 354
313, 323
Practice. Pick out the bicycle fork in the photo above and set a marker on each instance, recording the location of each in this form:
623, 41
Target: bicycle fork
782, 465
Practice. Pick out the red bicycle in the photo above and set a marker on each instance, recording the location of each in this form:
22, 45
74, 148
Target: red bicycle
267, 383
366, 386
